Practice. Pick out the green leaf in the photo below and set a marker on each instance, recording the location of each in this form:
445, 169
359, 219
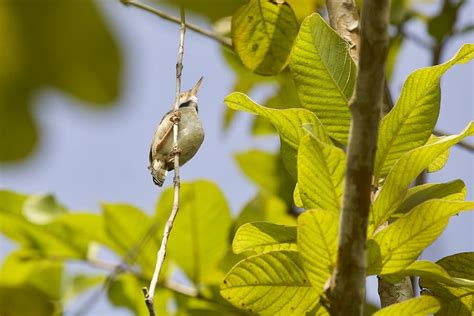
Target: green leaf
125, 291
434, 272
405, 170
79, 284
13, 300
50, 239
269, 284
42, 209
261, 237
441, 160
454, 190
271, 176
321, 170
324, 74
288, 122
317, 245
454, 300
80, 58
24, 269
264, 207
127, 227
200, 235
262, 35
410, 123
419, 306
297, 196
397, 246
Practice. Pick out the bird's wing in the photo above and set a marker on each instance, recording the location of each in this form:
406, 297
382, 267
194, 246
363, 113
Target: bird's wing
163, 130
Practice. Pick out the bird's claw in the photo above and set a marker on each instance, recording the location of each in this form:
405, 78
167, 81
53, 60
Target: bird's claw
175, 116
176, 151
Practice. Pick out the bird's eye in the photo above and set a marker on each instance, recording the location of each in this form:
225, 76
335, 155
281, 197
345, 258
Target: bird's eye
187, 103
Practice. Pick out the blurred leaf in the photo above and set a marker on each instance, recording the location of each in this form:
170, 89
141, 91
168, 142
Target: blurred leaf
262, 35
397, 246
410, 123
80, 283
42, 209
197, 243
418, 306
454, 300
126, 227
80, 57
271, 175
25, 269
442, 25
441, 160
261, 237
12, 302
125, 291
404, 171
392, 55
303, 8
264, 207
321, 170
51, 239
297, 196
454, 190
269, 284
324, 74
285, 97
317, 245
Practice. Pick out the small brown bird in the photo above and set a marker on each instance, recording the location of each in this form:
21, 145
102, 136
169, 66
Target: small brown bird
190, 136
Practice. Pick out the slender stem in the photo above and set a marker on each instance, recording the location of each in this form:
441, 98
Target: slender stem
169, 224
347, 287
221, 39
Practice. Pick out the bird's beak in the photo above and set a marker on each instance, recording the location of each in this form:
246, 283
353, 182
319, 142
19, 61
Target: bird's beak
195, 89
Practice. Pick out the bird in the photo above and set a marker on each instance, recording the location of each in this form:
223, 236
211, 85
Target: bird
190, 136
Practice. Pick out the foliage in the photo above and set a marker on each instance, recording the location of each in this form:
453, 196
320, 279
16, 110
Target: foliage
79, 58
276, 255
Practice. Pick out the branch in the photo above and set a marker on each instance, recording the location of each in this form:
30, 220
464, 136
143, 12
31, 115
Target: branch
347, 287
216, 37
344, 18
169, 225
392, 293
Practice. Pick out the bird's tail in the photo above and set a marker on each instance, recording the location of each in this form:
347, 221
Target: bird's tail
158, 172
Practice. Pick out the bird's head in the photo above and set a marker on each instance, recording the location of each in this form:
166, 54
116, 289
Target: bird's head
189, 98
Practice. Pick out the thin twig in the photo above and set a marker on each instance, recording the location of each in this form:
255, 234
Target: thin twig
221, 39
149, 294
347, 287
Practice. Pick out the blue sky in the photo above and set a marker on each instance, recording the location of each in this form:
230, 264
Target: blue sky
89, 156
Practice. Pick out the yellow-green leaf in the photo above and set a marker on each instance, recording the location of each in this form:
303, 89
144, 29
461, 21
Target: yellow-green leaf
434, 272
410, 123
262, 34
324, 74
321, 169
317, 245
441, 160
288, 122
405, 170
397, 246
261, 237
273, 283
453, 190
200, 236
419, 306
454, 300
